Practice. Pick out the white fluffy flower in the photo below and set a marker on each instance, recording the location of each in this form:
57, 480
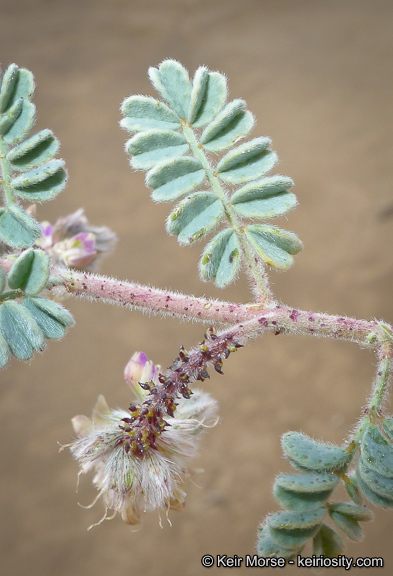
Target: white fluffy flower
130, 483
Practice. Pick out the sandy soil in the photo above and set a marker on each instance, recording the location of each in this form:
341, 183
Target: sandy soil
317, 75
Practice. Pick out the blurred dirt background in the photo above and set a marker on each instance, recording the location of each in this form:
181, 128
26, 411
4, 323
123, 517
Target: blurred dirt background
318, 77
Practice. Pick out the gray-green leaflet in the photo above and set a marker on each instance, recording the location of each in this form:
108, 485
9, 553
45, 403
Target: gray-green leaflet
174, 140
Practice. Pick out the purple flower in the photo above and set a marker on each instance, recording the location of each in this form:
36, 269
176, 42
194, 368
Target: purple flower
132, 484
73, 242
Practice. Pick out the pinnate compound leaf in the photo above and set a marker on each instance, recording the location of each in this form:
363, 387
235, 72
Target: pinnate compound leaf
30, 272
248, 161
377, 452
273, 245
221, 258
171, 80
208, 97
264, 199
230, 124
17, 228
20, 330
327, 542
42, 183
304, 453
146, 113
34, 151
175, 178
52, 318
154, 146
195, 216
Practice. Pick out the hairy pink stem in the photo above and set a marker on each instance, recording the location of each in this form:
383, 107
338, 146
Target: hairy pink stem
133, 295
252, 319
276, 318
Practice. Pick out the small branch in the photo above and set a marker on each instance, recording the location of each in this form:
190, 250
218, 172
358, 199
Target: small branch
255, 319
152, 300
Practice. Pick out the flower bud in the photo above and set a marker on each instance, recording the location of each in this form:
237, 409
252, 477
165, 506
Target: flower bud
140, 370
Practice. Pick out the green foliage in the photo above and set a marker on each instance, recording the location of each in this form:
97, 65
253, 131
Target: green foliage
375, 465
247, 162
145, 113
304, 498
20, 330
29, 171
231, 123
304, 492
42, 183
327, 542
34, 151
377, 451
195, 216
221, 258
29, 272
265, 198
387, 425
273, 245
17, 228
26, 319
175, 178
347, 517
307, 454
172, 143
154, 146
52, 318
352, 487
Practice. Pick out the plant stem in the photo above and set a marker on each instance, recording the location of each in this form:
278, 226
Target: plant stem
255, 269
257, 319
374, 407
